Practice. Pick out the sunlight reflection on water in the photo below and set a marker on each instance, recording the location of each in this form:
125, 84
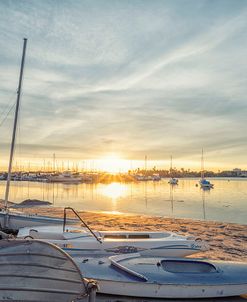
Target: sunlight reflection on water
226, 202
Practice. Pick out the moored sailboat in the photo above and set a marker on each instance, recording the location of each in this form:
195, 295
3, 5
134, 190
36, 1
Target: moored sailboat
173, 180
204, 183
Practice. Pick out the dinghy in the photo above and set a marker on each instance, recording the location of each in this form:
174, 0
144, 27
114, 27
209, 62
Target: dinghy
84, 240
156, 277
39, 271
78, 241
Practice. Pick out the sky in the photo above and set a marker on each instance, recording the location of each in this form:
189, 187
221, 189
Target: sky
126, 79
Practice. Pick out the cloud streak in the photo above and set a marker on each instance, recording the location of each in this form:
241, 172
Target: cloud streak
131, 77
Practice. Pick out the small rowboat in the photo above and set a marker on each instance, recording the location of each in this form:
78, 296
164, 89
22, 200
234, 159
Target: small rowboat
155, 277
38, 271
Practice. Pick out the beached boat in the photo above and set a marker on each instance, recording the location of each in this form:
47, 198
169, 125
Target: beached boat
156, 277
84, 240
13, 220
39, 271
78, 241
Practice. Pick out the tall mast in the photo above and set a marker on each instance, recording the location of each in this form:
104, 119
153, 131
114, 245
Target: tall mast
202, 165
171, 172
15, 125
54, 162
146, 164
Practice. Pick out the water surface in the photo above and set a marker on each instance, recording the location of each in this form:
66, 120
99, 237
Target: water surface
226, 202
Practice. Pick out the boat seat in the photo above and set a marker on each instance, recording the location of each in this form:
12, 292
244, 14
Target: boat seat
46, 235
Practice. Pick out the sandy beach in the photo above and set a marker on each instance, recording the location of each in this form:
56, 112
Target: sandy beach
227, 241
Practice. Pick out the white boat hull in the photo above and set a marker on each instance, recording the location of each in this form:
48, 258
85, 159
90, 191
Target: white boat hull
170, 291
77, 241
156, 277
145, 249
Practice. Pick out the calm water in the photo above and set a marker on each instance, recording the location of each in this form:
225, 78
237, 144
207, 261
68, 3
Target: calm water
226, 202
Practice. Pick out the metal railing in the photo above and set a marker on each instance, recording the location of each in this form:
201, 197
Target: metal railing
82, 221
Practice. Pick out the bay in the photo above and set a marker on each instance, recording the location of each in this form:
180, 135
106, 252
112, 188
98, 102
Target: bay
226, 202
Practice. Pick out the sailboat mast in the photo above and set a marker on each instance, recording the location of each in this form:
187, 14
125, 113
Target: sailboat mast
15, 124
146, 165
202, 166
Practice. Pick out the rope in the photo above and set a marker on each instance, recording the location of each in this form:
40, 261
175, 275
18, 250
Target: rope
11, 100
2, 122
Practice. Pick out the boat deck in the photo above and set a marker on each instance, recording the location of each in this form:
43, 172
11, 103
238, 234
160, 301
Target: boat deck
159, 270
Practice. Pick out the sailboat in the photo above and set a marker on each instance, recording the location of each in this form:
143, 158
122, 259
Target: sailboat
173, 180
13, 220
204, 183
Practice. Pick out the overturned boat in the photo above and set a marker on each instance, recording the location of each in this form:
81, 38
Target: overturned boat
155, 277
39, 271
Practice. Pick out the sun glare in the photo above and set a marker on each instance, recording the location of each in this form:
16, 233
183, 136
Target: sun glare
114, 190
113, 164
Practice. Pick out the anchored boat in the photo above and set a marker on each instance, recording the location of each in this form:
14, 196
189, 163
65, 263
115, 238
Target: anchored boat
204, 183
172, 180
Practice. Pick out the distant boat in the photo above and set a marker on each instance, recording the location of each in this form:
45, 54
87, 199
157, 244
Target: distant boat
156, 177
14, 220
144, 177
65, 177
205, 184
173, 180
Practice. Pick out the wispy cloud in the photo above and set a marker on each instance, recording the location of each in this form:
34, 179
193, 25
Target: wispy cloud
135, 77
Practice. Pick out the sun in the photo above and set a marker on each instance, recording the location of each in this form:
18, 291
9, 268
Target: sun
113, 164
